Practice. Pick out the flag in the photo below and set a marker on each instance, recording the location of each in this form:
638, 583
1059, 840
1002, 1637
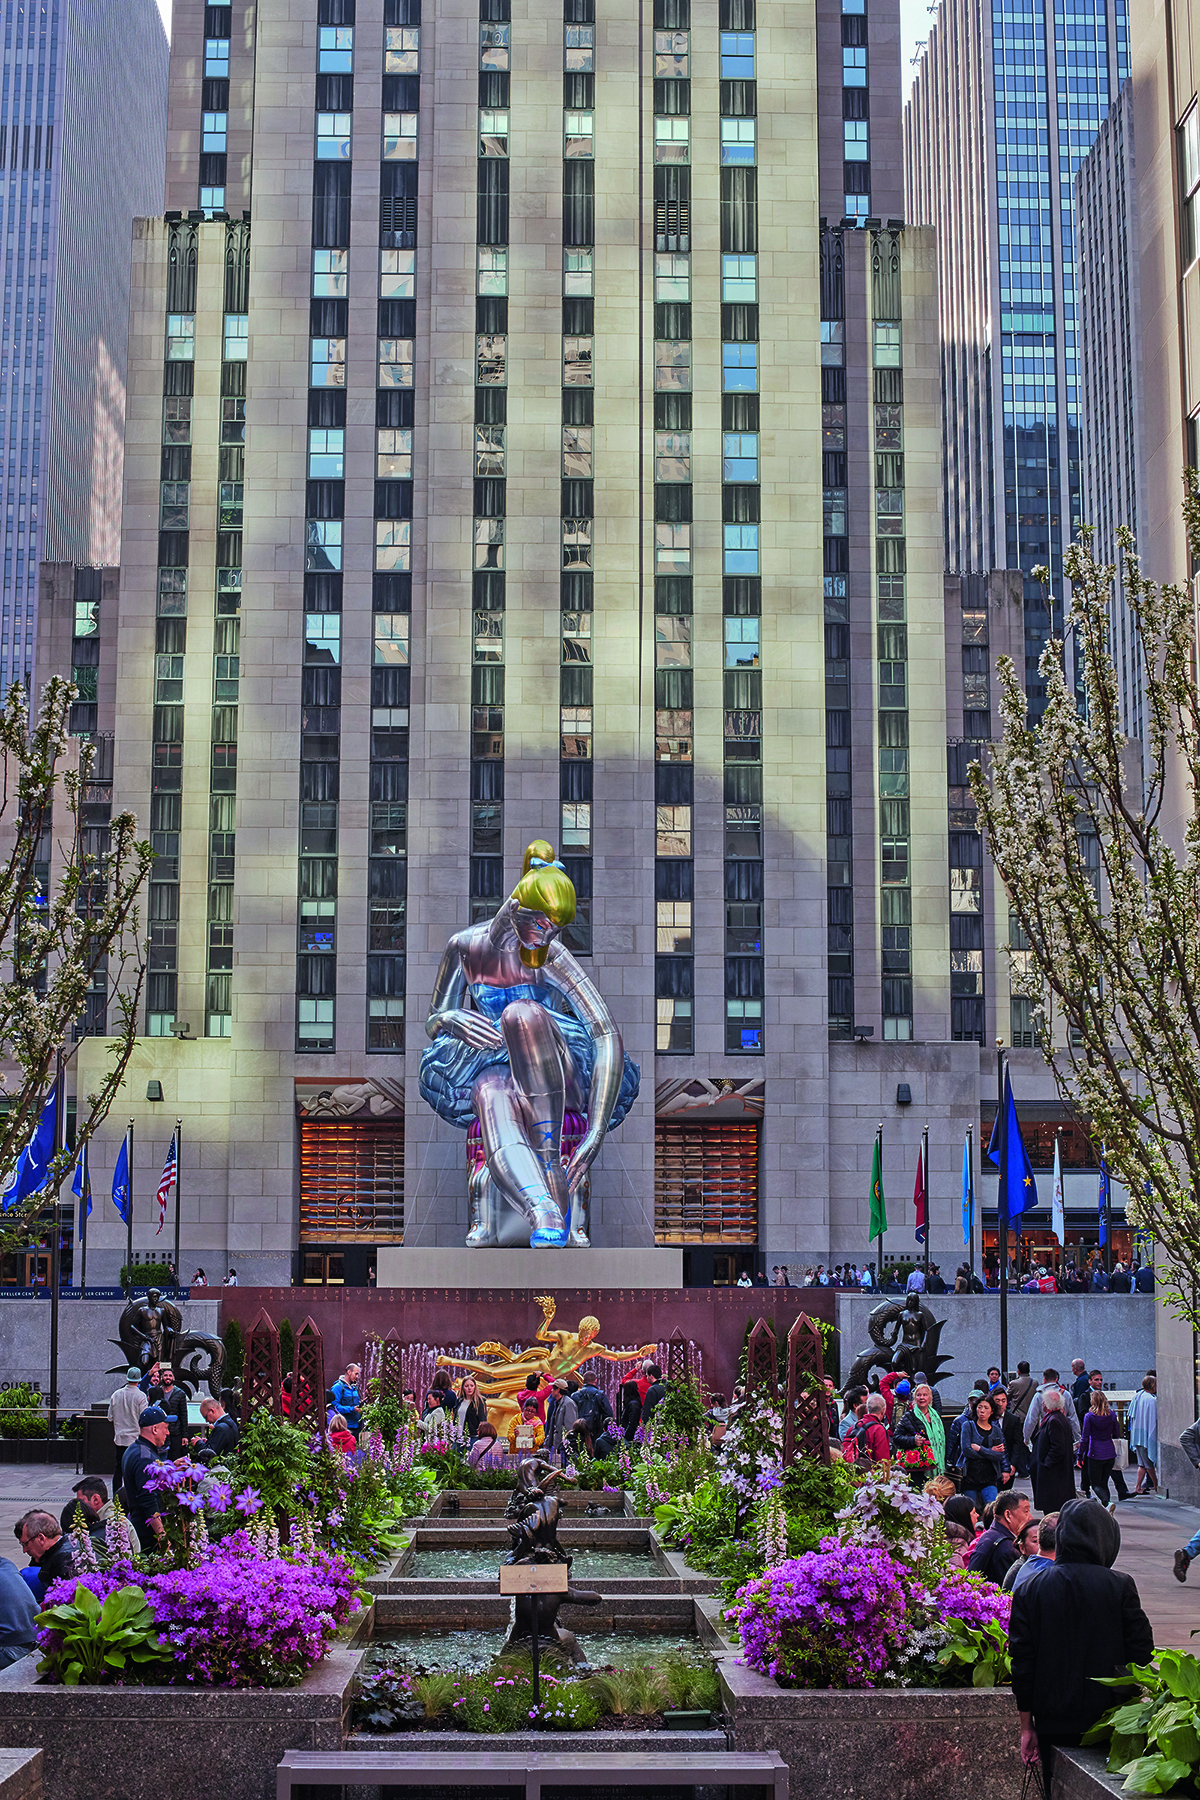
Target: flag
169, 1177
81, 1185
920, 1197
120, 1181
878, 1203
1018, 1189
1058, 1219
1102, 1199
33, 1164
966, 1191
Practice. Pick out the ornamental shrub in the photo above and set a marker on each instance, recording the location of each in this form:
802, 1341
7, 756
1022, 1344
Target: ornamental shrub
234, 1339
21, 1414
833, 1618
240, 1619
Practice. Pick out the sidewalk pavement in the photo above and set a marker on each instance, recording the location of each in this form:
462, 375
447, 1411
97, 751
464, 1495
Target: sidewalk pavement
1152, 1529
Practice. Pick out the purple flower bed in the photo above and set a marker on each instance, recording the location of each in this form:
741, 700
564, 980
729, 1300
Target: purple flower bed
239, 1619
962, 1596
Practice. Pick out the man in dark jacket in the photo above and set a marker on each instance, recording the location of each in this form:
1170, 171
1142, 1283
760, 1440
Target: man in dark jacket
1078, 1623
996, 1551
43, 1543
593, 1410
171, 1397
223, 1431
654, 1394
141, 1502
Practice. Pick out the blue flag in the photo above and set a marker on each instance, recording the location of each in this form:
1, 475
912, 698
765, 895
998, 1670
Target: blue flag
1102, 1199
120, 1185
966, 1191
33, 1164
81, 1185
1006, 1148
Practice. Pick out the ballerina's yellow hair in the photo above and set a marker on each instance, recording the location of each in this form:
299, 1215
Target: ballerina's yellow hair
547, 890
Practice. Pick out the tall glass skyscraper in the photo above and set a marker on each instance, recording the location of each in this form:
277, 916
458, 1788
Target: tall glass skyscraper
1006, 103
82, 153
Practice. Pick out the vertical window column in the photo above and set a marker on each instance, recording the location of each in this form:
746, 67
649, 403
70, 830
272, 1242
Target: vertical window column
214, 103
838, 830
741, 512
577, 503
218, 1006
856, 128
491, 417
325, 505
170, 629
892, 645
387, 872
674, 700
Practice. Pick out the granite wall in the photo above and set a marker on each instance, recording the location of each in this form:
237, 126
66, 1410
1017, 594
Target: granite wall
91, 1364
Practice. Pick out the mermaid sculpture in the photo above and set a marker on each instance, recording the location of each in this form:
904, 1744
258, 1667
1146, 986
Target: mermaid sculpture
521, 1037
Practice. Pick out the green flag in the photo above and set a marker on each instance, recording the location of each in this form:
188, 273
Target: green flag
878, 1203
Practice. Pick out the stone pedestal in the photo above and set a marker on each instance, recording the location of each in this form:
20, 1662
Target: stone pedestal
539, 1270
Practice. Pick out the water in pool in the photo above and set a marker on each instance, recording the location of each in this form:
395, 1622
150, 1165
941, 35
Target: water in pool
473, 1649
483, 1564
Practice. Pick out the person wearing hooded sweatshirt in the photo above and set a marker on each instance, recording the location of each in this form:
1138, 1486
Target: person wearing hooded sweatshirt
1078, 1623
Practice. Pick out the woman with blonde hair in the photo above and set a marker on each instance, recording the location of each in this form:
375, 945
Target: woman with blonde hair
520, 1038
1098, 1448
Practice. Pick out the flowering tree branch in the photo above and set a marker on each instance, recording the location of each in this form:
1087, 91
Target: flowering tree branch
59, 938
1100, 858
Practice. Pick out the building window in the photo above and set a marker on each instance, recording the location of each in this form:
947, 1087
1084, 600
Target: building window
395, 363
737, 141
577, 274
672, 276
857, 143
335, 49
402, 52
237, 334
214, 132
579, 49
494, 41
326, 456
323, 638
328, 368
737, 56
212, 199
322, 545
1189, 185
216, 58
671, 55
743, 1027
887, 345
742, 643
739, 368
672, 365
492, 271
400, 137
393, 544
397, 274
854, 66
393, 454
672, 548
333, 137
741, 549
672, 456
181, 337
739, 456
671, 140
493, 133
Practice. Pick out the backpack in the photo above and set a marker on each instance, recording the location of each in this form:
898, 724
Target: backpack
855, 1445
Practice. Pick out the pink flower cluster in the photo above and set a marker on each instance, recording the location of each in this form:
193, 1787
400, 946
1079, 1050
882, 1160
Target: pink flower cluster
832, 1618
240, 1619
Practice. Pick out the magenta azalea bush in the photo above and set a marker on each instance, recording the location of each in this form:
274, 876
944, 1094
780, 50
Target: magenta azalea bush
833, 1618
851, 1615
239, 1619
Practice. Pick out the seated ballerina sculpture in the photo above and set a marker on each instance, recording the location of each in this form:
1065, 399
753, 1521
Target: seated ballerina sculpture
520, 1037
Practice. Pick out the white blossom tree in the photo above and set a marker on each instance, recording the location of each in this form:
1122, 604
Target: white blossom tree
1100, 854
58, 936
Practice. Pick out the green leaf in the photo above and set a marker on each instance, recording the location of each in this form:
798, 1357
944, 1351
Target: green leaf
1126, 1748
1181, 1745
984, 1675
71, 1674
1152, 1775
86, 1602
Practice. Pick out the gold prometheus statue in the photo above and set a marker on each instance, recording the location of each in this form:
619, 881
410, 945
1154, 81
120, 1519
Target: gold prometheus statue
502, 1381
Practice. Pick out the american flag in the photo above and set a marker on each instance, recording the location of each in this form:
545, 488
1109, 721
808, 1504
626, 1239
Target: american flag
170, 1176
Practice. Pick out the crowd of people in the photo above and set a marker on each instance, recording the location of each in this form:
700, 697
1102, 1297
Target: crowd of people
558, 1417
1024, 1276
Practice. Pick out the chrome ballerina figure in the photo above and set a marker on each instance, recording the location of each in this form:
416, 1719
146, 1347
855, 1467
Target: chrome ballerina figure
521, 1037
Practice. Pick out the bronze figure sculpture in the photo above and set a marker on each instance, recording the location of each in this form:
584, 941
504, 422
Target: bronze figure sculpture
905, 1337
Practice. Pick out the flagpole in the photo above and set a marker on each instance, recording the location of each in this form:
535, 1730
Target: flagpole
971, 1199
84, 1202
60, 1133
1002, 1206
129, 1202
1107, 1178
879, 1141
178, 1180
928, 1209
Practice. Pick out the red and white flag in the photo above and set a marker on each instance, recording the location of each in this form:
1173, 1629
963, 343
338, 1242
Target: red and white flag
169, 1178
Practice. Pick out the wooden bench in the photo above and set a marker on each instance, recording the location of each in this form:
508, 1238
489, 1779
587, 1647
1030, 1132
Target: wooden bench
530, 1775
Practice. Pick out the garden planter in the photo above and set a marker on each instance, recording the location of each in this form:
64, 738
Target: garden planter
1081, 1775
914, 1743
691, 1720
40, 1450
95, 1745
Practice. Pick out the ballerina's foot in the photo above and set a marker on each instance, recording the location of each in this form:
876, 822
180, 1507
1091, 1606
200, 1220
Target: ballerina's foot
549, 1227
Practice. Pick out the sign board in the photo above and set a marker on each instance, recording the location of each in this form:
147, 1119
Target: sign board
534, 1578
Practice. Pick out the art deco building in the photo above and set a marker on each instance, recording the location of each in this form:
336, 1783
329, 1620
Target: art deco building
534, 431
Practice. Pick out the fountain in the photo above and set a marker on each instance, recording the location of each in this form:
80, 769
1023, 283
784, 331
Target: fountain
533, 1513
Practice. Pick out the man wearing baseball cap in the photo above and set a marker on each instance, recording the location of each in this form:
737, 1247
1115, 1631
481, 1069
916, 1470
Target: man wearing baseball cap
142, 1503
124, 1410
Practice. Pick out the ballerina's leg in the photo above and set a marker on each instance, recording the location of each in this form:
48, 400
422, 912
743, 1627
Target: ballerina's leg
512, 1163
535, 1056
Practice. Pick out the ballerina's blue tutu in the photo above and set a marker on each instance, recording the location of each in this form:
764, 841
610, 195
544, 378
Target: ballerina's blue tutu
450, 1068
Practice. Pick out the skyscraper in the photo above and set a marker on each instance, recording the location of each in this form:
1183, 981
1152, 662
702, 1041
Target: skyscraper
473, 494
1005, 105
82, 133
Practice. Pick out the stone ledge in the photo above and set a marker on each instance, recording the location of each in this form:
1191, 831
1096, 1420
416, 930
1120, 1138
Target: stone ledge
1082, 1775
20, 1775
238, 1734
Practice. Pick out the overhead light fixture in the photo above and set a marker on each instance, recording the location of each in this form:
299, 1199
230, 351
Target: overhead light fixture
154, 1090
